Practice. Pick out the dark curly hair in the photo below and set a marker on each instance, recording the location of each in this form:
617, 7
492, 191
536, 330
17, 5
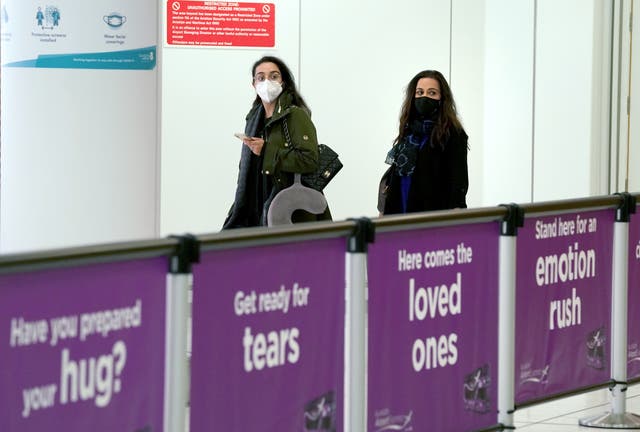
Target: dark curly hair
447, 114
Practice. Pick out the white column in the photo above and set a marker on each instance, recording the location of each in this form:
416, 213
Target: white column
176, 388
506, 329
355, 343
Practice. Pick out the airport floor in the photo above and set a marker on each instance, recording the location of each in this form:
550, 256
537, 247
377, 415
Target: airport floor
564, 414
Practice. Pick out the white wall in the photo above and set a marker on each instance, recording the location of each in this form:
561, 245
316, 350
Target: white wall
467, 82
633, 184
569, 100
625, 134
79, 149
508, 101
357, 58
79, 157
527, 77
206, 94
352, 64
547, 102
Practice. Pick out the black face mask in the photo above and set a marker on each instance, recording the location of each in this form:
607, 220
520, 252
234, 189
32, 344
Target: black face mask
426, 107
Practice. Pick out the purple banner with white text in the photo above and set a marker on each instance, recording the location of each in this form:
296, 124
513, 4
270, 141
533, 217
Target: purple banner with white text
433, 329
268, 338
83, 347
563, 303
633, 316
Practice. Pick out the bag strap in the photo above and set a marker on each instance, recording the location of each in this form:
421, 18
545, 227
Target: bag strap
286, 132
296, 176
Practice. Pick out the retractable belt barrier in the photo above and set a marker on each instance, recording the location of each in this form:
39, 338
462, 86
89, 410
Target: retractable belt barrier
441, 321
84, 338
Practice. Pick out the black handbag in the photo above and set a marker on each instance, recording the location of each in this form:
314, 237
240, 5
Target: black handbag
383, 189
328, 165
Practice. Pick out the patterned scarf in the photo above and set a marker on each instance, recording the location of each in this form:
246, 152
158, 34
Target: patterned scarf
405, 154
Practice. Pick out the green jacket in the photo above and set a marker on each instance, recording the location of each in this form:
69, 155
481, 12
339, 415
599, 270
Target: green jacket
282, 158
297, 155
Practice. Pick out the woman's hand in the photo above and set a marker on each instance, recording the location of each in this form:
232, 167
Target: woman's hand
255, 144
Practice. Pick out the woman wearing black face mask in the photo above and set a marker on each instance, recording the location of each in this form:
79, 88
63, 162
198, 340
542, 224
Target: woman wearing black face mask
429, 156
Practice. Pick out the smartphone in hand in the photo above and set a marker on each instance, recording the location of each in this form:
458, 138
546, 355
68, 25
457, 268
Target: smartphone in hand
241, 136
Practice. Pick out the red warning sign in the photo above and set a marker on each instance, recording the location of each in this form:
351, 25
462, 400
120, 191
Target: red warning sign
212, 23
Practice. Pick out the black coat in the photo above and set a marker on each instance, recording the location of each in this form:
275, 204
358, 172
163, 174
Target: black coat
439, 182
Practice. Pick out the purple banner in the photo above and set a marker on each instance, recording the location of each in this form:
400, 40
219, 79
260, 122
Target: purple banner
268, 338
83, 348
563, 303
433, 329
633, 365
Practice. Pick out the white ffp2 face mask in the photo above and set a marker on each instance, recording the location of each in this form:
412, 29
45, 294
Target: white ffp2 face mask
268, 90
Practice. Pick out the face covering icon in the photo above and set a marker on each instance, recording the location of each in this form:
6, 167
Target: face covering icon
114, 20
268, 90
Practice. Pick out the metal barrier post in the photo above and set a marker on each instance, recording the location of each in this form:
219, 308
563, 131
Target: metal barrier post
355, 335
176, 380
618, 418
507, 312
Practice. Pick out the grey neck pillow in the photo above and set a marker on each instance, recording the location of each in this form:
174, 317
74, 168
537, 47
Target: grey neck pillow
295, 197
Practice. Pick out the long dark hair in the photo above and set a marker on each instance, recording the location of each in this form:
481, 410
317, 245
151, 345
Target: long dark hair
447, 117
289, 84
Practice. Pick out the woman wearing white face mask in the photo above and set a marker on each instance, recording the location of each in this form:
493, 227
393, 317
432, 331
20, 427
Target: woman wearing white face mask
280, 141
